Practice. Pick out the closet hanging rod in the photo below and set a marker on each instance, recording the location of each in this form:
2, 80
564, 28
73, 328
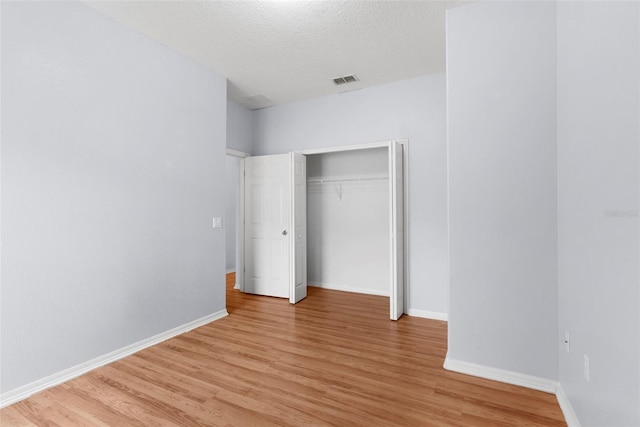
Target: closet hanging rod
321, 181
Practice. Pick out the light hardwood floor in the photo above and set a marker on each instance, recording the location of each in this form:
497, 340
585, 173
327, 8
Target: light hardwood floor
333, 359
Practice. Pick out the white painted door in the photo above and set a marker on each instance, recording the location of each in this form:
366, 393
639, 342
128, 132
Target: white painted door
275, 226
396, 203
267, 225
299, 234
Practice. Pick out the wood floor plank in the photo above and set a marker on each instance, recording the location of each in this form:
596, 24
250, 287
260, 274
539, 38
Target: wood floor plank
334, 359
13, 419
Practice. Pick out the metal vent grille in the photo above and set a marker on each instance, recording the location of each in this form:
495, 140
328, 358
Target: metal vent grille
345, 79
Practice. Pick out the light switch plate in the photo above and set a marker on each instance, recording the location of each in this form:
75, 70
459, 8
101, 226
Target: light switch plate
217, 222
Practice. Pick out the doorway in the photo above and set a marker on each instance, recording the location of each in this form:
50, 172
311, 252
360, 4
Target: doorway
234, 214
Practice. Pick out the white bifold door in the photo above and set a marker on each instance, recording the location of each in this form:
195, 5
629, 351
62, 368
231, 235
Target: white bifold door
275, 238
396, 229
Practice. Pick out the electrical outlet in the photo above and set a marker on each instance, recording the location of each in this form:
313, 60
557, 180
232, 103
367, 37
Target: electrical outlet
567, 342
585, 368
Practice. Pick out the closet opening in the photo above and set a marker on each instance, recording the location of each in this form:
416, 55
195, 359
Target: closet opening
357, 220
347, 221
333, 218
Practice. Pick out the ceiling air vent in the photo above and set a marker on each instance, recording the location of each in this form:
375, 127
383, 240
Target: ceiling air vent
345, 79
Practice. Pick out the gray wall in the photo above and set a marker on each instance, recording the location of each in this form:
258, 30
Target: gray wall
413, 109
598, 173
240, 138
501, 106
505, 66
113, 153
239, 128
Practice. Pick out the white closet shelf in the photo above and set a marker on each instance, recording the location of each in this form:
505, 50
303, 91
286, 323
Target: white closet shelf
322, 181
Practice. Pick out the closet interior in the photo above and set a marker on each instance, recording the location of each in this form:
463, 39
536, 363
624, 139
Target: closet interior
348, 220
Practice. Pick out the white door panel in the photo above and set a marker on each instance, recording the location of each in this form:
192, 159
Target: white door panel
275, 226
396, 194
298, 289
267, 201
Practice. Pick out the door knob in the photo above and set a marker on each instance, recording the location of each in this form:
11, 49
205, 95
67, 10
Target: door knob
284, 233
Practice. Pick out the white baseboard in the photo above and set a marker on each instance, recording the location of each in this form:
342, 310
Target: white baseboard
433, 315
235, 286
516, 378
349, 289
27, 390
503, 376
567, 410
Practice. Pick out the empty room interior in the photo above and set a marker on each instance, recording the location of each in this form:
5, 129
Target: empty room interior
288, 213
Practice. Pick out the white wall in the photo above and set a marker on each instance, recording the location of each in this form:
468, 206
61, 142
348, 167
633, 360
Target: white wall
239, 127
413, 109
348, 222
501, 105
113, 164
598, 171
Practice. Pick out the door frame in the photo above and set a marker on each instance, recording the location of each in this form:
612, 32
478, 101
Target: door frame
239, 220
405, 154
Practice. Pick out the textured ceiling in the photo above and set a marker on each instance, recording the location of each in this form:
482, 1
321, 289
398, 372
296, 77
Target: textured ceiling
274, 52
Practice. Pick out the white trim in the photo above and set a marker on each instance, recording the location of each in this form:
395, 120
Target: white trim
567, 410
27, 390
405, 153
433, 315
378, 292
501, 375
240, 233
365, 146
236, 153
516, 378
394, 285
